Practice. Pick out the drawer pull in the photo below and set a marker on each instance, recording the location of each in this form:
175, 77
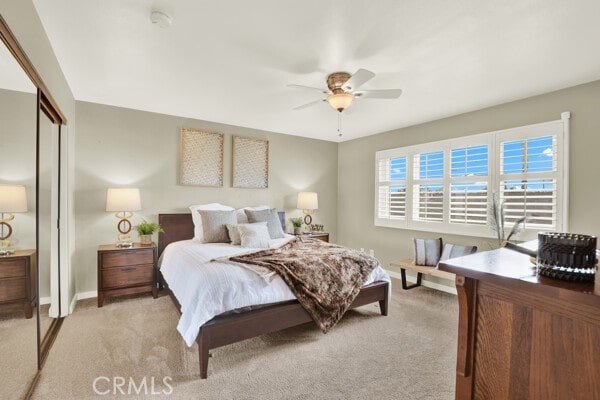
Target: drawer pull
128, 269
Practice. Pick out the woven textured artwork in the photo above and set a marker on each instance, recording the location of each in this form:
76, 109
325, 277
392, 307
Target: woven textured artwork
250, 162
201, 158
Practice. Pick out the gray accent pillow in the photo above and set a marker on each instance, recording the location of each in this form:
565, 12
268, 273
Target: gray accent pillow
455, 250
427, 251
271, 218
214, 225
254, 235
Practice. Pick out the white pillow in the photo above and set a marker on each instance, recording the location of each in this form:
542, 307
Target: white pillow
254, 235
234, 233
198, 231
242, 218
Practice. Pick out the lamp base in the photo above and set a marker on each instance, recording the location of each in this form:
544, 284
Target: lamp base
125, 240
307, 219
6, 247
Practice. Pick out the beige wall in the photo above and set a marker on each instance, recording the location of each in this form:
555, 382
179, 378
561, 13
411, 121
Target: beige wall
356, 164
123, 147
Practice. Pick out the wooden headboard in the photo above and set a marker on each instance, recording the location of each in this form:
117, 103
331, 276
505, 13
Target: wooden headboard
181, 227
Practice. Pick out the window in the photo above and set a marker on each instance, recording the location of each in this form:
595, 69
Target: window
447, 186
392, 191
529, 180
469, 181
428, 186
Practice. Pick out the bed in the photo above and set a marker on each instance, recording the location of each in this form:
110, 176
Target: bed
231, 327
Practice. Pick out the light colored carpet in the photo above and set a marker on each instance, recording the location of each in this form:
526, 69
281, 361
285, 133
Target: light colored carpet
410, 354
18, 350
18, 353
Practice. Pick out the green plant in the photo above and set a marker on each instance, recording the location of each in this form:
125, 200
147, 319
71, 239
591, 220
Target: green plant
297, 222
496, 218
148, 228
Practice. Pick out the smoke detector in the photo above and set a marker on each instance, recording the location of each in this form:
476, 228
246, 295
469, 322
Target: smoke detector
160, 18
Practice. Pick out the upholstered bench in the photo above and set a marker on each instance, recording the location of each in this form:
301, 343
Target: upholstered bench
408, 264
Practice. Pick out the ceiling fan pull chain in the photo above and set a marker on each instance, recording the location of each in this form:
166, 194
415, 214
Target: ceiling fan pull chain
340, 124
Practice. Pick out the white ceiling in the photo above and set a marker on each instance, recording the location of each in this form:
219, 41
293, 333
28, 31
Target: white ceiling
230, 61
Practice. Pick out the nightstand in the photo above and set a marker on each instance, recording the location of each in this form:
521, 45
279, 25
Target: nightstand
18, 280
324, 236
126, 270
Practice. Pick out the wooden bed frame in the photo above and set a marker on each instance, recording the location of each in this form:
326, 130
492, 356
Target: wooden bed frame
228, 329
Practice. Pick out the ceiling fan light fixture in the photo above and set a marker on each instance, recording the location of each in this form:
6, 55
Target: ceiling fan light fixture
340, 101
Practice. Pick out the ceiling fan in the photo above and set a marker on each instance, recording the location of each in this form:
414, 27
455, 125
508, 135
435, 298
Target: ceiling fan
343, 90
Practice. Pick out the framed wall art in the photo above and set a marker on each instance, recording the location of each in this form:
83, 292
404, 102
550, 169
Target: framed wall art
250, 162
201, 158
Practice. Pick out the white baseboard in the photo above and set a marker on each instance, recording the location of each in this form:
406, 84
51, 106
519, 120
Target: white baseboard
81, 296
429, 284
45, 300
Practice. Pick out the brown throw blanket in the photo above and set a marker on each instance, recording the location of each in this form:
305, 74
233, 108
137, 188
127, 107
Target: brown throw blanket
324, 277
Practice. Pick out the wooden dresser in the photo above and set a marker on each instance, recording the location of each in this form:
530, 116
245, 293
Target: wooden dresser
124, 271
521, 336
18, 280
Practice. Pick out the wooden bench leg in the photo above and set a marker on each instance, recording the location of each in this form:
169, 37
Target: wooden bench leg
414, 285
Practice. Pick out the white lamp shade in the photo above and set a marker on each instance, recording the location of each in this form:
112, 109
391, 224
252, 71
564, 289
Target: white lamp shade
123, 199
13, 199
308, 201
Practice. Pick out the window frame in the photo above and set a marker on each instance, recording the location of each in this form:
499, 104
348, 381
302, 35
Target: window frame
559, 128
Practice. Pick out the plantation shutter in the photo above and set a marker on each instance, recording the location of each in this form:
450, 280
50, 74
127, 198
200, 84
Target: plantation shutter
469, 183
391, 198
447, 186
529, 180
428, 188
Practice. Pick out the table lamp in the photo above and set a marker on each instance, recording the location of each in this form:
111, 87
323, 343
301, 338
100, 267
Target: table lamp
123, 201
13, 199
308, 202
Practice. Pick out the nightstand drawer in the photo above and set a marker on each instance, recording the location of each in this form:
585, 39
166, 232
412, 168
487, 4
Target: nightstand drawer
128, 276
12, 289
126, 258
12, 268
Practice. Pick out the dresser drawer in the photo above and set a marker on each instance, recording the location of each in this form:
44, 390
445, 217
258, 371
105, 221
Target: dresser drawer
12, 289
12, 268
128, 257
128, 276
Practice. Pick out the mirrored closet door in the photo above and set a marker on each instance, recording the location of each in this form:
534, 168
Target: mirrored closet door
18, 272
30, 217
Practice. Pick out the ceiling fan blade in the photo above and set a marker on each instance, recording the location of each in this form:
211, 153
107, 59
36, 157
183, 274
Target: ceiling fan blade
312, 103
309, 87
379, 94
358, 79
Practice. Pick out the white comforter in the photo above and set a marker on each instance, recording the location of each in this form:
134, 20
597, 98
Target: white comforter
206, 288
